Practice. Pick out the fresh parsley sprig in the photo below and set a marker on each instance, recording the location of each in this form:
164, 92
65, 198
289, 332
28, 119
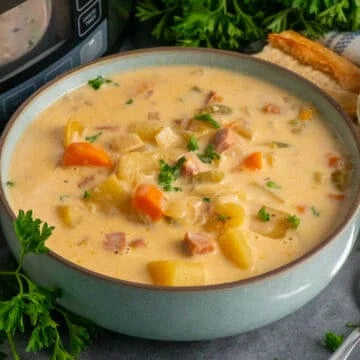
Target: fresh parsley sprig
26, 305
232, 25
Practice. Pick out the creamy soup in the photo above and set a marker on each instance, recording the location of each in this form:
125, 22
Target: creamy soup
181, 176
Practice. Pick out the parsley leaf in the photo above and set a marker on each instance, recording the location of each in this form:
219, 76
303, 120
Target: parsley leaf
278, 144
93, 138
263, 214
169, 174
235, 25
207, 118
209, 155
129, 102
31, 234
223, 218
36, 305
192, 144
206, 199
86, 194
315, 211
332, 341
10, 184
97, 82
272, 185
293, 221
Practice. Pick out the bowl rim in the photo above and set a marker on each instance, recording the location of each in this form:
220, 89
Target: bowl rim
200, 288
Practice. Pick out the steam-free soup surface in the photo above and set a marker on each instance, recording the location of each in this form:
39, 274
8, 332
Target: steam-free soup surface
181, 176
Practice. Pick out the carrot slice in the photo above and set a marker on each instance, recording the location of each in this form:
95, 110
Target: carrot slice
148, 199
253, 161
85, 154
334, 161
336, 196
301, 209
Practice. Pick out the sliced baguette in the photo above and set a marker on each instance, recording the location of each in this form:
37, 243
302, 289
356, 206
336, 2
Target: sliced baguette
319, 57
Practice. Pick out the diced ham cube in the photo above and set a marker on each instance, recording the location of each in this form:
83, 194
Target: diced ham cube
223, 139
138, 243
198, 243
192, 165
149, 93
115, 241
86, 180
271, 108
183, 123
154, 115
212, 96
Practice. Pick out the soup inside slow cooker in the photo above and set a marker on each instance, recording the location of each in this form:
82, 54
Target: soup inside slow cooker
181, 175
21, 28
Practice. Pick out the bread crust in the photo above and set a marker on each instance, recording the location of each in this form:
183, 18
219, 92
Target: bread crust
309, 52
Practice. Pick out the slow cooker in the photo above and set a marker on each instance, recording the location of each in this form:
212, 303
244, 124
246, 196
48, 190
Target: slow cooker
40, 39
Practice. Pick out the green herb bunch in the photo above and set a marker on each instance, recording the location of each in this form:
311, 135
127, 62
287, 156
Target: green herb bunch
25, 305
233, 24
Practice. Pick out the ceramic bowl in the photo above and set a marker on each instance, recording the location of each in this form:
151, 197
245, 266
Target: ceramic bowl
188, 313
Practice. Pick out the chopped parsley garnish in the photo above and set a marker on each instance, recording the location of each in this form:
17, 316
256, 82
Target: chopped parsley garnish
272, 185
196, 89
277, 144
192, 144
223, 218
63, 197
294, 121
206, 199
10, 184
333, 341
315, 211
169, 174
97, 82
263, 214
293, 220
209, 155
129, 102
87, 194
93, 138
208, 118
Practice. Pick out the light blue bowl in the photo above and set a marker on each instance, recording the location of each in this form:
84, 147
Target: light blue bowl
193, 313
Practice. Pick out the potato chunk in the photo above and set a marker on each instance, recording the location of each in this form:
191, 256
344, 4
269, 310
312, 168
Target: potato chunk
148, 129
111, 193
234, 245
126, 143
73, 132
167, 137
275, 228
70, 216
232, 213
133, 164
176, 273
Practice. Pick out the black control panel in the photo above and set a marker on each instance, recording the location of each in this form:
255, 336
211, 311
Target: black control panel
88, 14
